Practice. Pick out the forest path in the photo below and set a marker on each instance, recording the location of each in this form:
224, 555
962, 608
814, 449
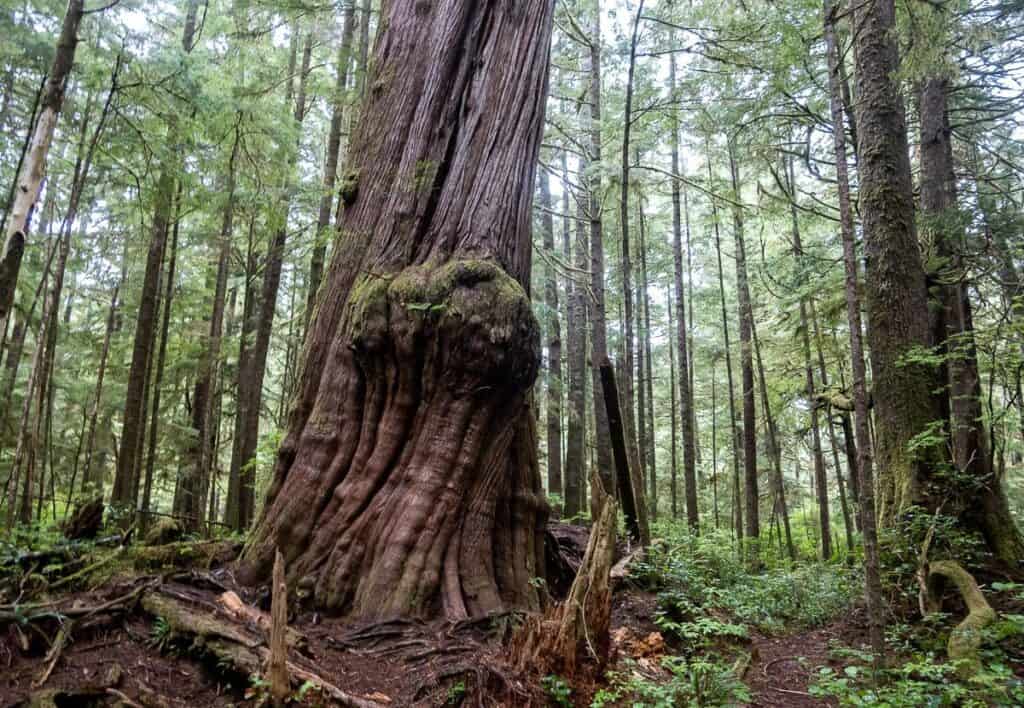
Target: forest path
783, 666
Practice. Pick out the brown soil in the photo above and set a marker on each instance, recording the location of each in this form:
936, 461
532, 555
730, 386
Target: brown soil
116, 658
782, 667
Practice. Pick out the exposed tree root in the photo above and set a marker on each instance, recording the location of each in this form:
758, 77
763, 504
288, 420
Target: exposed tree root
965, 639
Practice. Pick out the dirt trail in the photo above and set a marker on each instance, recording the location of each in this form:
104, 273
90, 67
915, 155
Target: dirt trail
783, 666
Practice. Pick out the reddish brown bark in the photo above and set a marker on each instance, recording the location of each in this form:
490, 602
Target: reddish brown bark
408, 481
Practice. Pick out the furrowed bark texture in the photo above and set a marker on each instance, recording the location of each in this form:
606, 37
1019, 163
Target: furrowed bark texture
407, 483
897, 310
954, 332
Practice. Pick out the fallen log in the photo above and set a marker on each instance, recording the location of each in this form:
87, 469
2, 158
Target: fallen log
236, 645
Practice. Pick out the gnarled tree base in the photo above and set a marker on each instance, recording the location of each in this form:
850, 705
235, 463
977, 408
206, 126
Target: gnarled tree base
411, 488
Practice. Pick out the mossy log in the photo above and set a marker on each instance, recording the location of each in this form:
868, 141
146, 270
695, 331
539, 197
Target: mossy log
965, 639
235, 645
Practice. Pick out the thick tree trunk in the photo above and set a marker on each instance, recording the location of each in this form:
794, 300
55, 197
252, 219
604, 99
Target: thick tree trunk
746, 318
968, 436
33, 168
407, 482
865, 459
897, 307
553, 334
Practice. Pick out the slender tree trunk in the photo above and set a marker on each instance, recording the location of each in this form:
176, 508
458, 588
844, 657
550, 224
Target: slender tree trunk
714, 440
158, 372
682, 347
734, 433
673, 462
553, 332
191, 500
323, 222
248, 418
865, 460
33, 169
746, 317
576, 362
598, 320
407, 483
628, 363
775, 450
647, 381
820, 480
126, 480
823, 375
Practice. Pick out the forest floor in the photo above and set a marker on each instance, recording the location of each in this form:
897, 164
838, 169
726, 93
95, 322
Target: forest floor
176, 630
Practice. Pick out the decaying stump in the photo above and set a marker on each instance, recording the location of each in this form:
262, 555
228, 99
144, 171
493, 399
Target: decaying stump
576, 630
85, 521
965, 639
278, 669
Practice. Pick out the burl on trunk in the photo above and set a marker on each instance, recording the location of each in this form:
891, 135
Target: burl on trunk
407, 483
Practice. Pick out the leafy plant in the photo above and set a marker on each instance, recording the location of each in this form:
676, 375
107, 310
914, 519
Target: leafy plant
558, 690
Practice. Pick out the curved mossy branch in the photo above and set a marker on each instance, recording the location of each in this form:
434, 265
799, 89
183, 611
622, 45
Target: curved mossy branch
966, 637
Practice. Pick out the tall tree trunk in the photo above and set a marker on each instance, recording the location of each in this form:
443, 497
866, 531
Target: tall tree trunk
248, 419
553, 332
746, 317
191, 501
628, 363
598, 320
323, 221
408, 481
576, 362
820, 480
682, 344
833, 446
674, 451
647, 382
865, 460
897, 307
33, 169
734, 433
161, 356
968, 436
126, 480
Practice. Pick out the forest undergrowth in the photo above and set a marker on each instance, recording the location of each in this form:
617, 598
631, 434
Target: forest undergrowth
159, 620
